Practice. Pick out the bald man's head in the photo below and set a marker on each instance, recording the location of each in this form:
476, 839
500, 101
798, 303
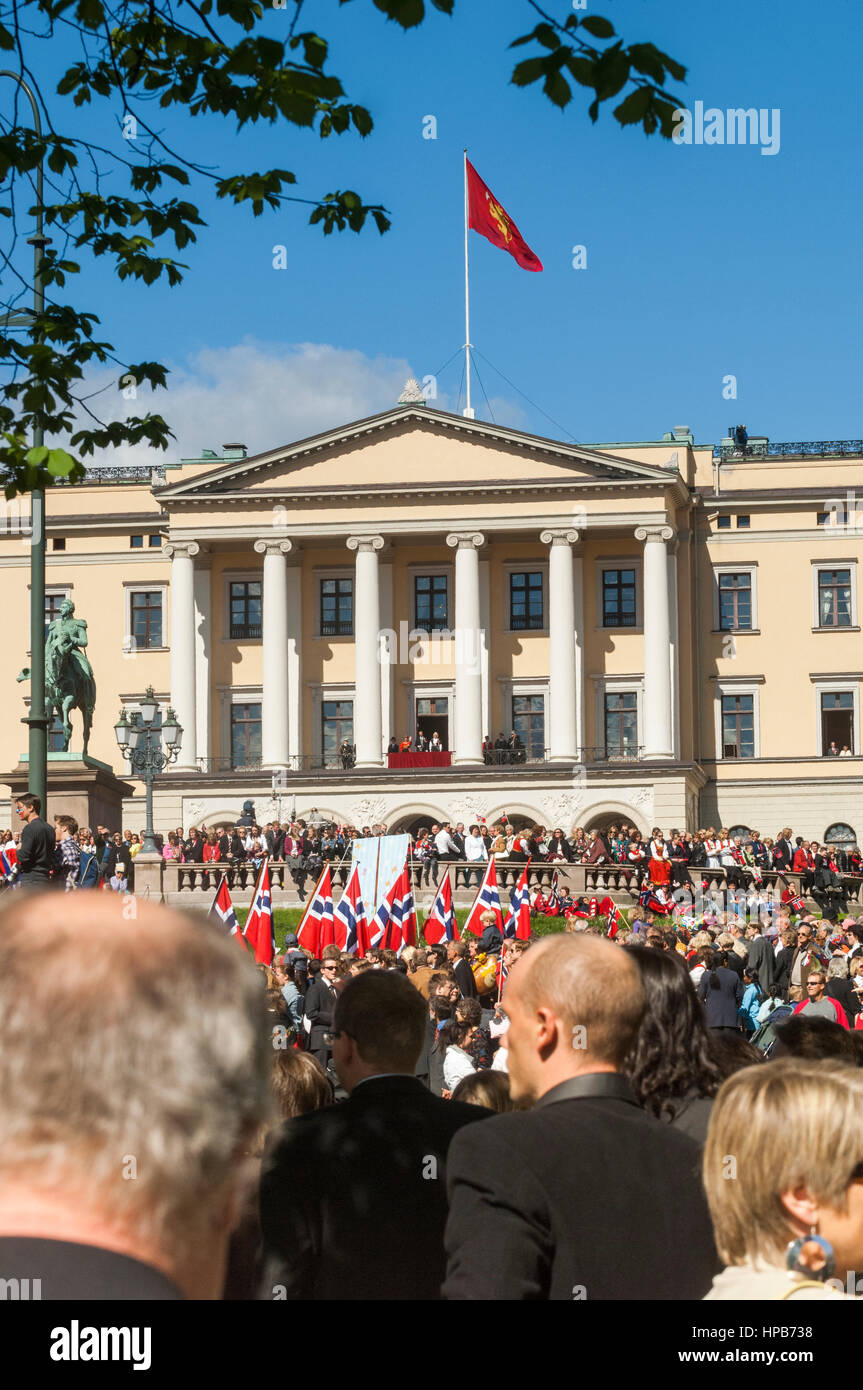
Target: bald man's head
132, 1070
574, 1007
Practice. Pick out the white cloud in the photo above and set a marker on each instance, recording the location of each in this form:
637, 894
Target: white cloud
264, 395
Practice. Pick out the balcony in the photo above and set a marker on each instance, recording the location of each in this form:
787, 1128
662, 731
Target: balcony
761, 448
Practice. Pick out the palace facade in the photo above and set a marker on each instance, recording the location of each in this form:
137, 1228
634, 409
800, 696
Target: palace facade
672, 629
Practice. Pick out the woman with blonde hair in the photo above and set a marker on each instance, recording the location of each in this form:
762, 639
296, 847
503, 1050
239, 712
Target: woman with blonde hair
784, 1179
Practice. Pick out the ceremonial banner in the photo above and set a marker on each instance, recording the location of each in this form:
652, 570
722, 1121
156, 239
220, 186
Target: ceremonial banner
380, 859
486, 216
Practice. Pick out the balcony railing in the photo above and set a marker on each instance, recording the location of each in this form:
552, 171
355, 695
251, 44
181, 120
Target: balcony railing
765, 448
494, 758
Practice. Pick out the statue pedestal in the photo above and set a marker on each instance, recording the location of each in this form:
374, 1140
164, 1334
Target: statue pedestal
78, 786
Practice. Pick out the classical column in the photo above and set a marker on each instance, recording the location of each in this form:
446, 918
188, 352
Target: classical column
295, 664
183, 643
203, 648
467, 742
562, 674
657, 721
274, 640
367, 651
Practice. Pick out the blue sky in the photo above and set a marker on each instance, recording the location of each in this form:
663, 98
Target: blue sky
702, 261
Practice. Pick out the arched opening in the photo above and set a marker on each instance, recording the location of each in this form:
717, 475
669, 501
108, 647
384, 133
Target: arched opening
742, 830
840, 835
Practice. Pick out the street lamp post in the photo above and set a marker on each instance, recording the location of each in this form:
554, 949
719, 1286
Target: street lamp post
37, 717
149, 759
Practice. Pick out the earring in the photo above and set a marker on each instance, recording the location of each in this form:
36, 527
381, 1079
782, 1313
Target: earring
811, 1256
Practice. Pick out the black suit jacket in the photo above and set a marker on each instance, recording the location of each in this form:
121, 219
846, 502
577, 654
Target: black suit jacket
585, 1196
353, 1198
464, 978
70, 1271
318, 1007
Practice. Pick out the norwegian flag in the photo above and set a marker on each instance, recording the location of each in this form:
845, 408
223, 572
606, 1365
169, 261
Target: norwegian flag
408, 909
316, 927
612, 912
518, 922
487, 900
9, 862
259, 923
222, 912
385, 930
440, 924
797, 904
351, 926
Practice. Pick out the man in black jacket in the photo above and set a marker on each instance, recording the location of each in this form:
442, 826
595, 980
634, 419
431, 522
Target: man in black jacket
318, 1006
584, 1196
36, 850
353, 1197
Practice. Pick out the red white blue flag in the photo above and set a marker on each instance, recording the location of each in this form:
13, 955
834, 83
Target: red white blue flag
317, 920
258, 930
487, 900
408, 909
223, 914
9, 863
351, 927
395, 922
518, 922
440, 924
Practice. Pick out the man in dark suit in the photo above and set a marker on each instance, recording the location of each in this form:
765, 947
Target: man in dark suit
585, 1195
140, 1205
456, 954
318, 1006
353, 1197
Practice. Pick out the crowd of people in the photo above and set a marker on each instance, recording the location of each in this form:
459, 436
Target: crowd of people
380, 1129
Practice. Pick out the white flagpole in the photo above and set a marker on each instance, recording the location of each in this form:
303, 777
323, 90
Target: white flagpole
468, 411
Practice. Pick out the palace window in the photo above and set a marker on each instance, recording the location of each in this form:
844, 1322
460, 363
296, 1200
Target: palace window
525, 601
337, 607
618, 598
735, 601
837, 720
53, 604
337, 727
528, 721
723, 523
245, 610
136, 542
621, 724
743, 523
738, 726
146, 618
431, 602
246, 735
834, 598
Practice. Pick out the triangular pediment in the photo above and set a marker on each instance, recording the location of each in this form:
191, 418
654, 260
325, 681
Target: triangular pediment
412, 447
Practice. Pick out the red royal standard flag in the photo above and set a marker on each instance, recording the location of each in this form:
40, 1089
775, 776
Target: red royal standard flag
487, 217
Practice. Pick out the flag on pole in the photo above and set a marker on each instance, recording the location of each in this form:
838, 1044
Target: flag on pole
222, 912
351, 927
385, 930
612, 912
259, 923
489, 218
440, 924
518, 922
487, 900
408, 909
318, 916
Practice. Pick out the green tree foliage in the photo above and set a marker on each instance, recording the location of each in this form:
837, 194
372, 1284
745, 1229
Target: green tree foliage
208, 57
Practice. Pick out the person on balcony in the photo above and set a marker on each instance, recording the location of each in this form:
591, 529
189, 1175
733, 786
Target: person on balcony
598, 850
393, 745
517, 751
435, 745
487, 750
558, 848
422, 742
501, 749
476, 855
212, 855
